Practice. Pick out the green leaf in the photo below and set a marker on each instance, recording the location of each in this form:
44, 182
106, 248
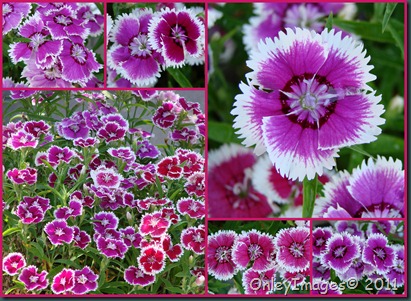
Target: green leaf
11, 231
386, 145
222, 132
170, 287
396, 28
55, 271
379, 10
159, 187
179, 77
329, 24
366, 30
69, 263
309, 195
39, 250
389, 9
112, 290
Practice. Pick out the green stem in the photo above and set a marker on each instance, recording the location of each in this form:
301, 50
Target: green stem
309, 195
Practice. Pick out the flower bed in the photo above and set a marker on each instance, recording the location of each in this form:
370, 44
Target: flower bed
103, 193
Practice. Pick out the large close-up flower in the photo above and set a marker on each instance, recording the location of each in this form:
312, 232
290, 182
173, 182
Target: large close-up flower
299, 103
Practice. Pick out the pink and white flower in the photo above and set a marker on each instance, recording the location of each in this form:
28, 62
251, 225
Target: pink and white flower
13, 262
151, 260
106, 177
32, 279
177, 34
63, 282
136, 276
59, 232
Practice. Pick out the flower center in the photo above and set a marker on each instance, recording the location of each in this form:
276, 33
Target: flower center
154, 221
33, 279
305, 16
7, 9
139, 274
79, 53
75, 128
198, 238
36, 40
399, 267
23, 140
63, 20
254, 251
52, 73
139, 46
107, 177
308, 100
151, 260
179, 34
105, 222
319, 242
340, 251
88, 15
223, 254
59, 232
63, 281
380, 253
14, 264
296, 250
111, 246
82, 279
193, 207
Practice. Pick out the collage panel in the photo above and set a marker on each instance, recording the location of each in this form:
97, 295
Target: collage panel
306, 111
103, 193
257, 258
156, 45
53, 45
118, 182
362, 257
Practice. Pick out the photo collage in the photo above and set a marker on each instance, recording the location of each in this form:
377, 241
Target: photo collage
204, 149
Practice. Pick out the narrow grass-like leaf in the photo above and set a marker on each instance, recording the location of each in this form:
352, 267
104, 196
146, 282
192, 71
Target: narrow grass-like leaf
309, 195
366, 30
179, 77
11, 231
389, 9
329, 23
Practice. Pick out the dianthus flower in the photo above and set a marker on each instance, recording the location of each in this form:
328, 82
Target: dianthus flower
219, 258
178, 34
307, 97
293, 245
253, 248
361, 195
230, 190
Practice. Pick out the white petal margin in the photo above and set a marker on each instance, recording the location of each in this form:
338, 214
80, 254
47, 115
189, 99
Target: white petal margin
248, 130
261, 181
225, 153
362, 131
286, 144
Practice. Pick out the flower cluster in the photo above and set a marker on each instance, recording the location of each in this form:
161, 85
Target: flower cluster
107, 185
364, 251
54, 43
361, 193
242, 185
145, 42
260, 256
